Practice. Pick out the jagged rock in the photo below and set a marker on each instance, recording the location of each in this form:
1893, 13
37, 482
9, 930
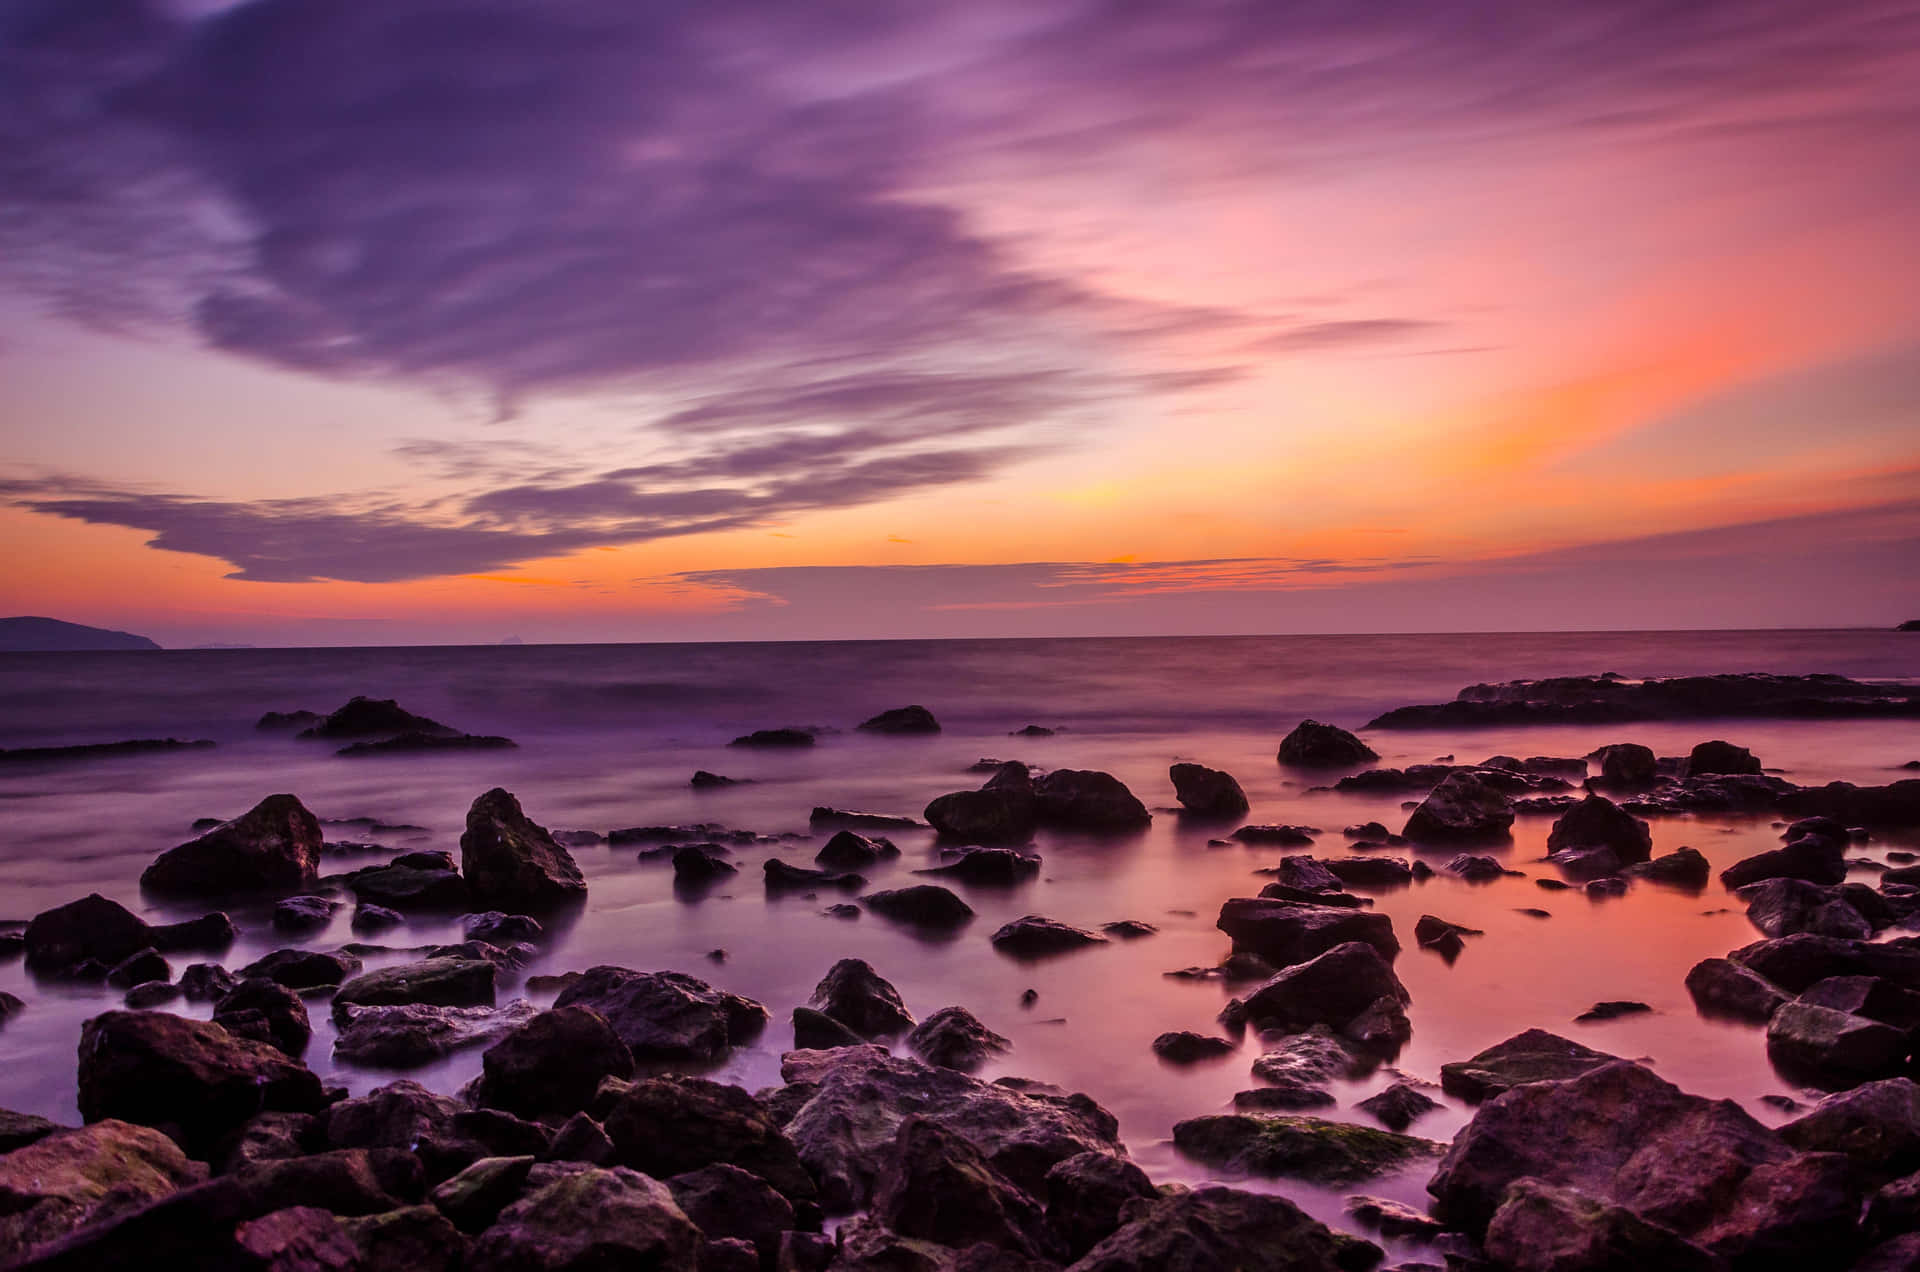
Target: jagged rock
1477, 869
587, 1218
1598, 837
670, 1125
441, 1133
1217, 1229
1284, 933
937, 1186
1393, 1219
1869, 996
1533, 1055
667, 1015
902, 720
444, 982
848, 850
1683, 867
814, 1030
1795, 962
861, 1096
68, 1178
266, 1012
302, 969
1398, 1106
1032, 936
1781, 907
273, 848
1316, 745
269, 1137
1297, 1147
953, 1038
553, 1063
1187, 1047
1311, 1058
510, 861
726, 1202
474, 1198
1305, 874
1463, 808
190, 1078
861, 999
1543, 1228
1207, 792
1876, 1124
1087, 1197
1350, 989
923, 904
407, 1035
989, 867
581, 1139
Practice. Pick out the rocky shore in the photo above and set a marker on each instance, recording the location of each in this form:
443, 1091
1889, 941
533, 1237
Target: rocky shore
592, 1137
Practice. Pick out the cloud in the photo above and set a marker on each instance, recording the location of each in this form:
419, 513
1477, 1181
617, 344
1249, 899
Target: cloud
1352, 333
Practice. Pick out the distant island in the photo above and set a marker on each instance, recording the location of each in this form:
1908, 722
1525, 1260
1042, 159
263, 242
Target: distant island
38, 635
1911, 625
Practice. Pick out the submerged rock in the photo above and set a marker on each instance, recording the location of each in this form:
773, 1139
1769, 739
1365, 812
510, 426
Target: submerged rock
666, 1015
848, 850
367, 717
444, 982
1683, 867
1397, 1107
1533, 1055
1463, 808
989, 867
1719, 757
1207, 792
1186, 1047
408, 1035
1033, 936
273, 848
775, 738
96, 930
782, 877
923, 904
902, 720
1297, 1147
1316, 745
511, 862
1284, 933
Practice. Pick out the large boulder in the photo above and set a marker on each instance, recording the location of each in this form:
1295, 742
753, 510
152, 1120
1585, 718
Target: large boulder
407, 1035
1088, 1195
1626, 765
1350, 989
1285, 932
1543, 1228
727, 1202
443, 982
1224, 1230
1463, 808
1876, 1124
1083, 799
861, 999
74, 1177
1815, 858
511, 862
1598, 837
1034, 936
410, 889
1207, 792
1530, 1056
189, 1078
1783, 906
1316, 745
1721, 757
991, 815
273, 848
95, 931
667, 1016
935, 1185
1796, 962
553, 1064
1703, 1169
1722, 987
1830, 1048
670, 1125
584, 1219
861, 1095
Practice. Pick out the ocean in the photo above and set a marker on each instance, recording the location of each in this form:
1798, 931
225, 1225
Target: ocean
609, 735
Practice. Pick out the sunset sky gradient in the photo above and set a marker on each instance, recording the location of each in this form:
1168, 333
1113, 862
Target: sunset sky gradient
389, 321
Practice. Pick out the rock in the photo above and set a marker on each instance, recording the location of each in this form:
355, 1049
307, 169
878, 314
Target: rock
581, 1139
1598, 837
953, 1038
1187, 1047
1372, 830
1031, 937
774, 738
68, 1178
150, 994
902, 720
989, 867
278, 721
368, 717
1087, 1197
703, 780
1289, 1095
1611, 886
1815, 859
1398, 1106
1796, 962
781, 877
1610, 699
842, 910
1901, 1254
1217, 1229
1782, 906
273, 848
992, 815
443, 1134
1626, 765
1392, 1219
1702, 1168
1316, 745
206, 982
694, 867
303, 915
670, 1125
936, 1186
1543, 1228
1829, 1048
1275, 836
496, 928
1284, 933
552, 1064
1305, 874
667, 1016
90, 929
1683, 867
474, 1198
1350, 989
1296, 1147
409, 889
266, 1012
824, 818
583, 1219
302, 969
1207, 792
1477, 869
270, 1137
416, 742
1080, 799
861, 999
923, 904
1128, 929
510, 861
1371, 872
1463, 808
444, 982
1612, 1009
408, 1035
850, 851
726, 1202
1436, 933
139, 968
1876, 1124
189, 1078
814, 1030
1720, 757
1869, 996
17, 1130
1895, 805
1533, 1055
862, 1095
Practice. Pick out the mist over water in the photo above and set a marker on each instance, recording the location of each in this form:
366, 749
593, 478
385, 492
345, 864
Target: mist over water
609, 736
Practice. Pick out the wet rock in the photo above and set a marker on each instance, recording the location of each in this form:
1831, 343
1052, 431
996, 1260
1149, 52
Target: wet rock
1829, 1048
445, 982
1612, 699
150, 994
189, 1078
552, 1064
303, 915
1394, 1220
1275, 836
585, 1218
781, 877
1894, 805
1477, 869
694, 867
1781, 907
205, 982
270, 1137
409, 889
365, 717
1435, 933
1796, 962
862, 1095
953, 1038
1081, 799
1463, 808
989, 867
68, 1178
1533, 1055
667, 1126
1371, 872
414, 743
1815, 859
441, 1133
93, 929
581, 1139
774, 738
273, 848
814, 1030
667, 1016
703, 780
1289, 1095
287, 721
1869, 996
1297, 1147
511, 862
1350, 989
923, 904
1187, 1047
1032, 936
842, 910
474, 1198
266, 1012
848, 850
936, 1186
1721, 757
861, 999
412, 1034
302, 969
1598, 837
1683, 867
1876, 1124
17, 1130
1543, 1228
1626, 765
725, 1201
1217, 1229
902, 720
1304, 874
1372, 830
496, 928
1207, 792
1284, 933
139, 968
1316, 745
1001, 814
1087, 1197
825, 818
1612, 1009
1397, 1107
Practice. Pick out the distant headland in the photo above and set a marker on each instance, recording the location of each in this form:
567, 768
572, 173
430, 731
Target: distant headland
1911, 625
33, 635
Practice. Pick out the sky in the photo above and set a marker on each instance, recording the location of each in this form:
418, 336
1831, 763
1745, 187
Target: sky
401, 321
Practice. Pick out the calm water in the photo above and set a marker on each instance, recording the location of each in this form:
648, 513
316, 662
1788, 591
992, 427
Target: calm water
610, 734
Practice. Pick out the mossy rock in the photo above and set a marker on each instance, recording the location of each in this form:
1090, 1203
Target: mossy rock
1309, 1148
